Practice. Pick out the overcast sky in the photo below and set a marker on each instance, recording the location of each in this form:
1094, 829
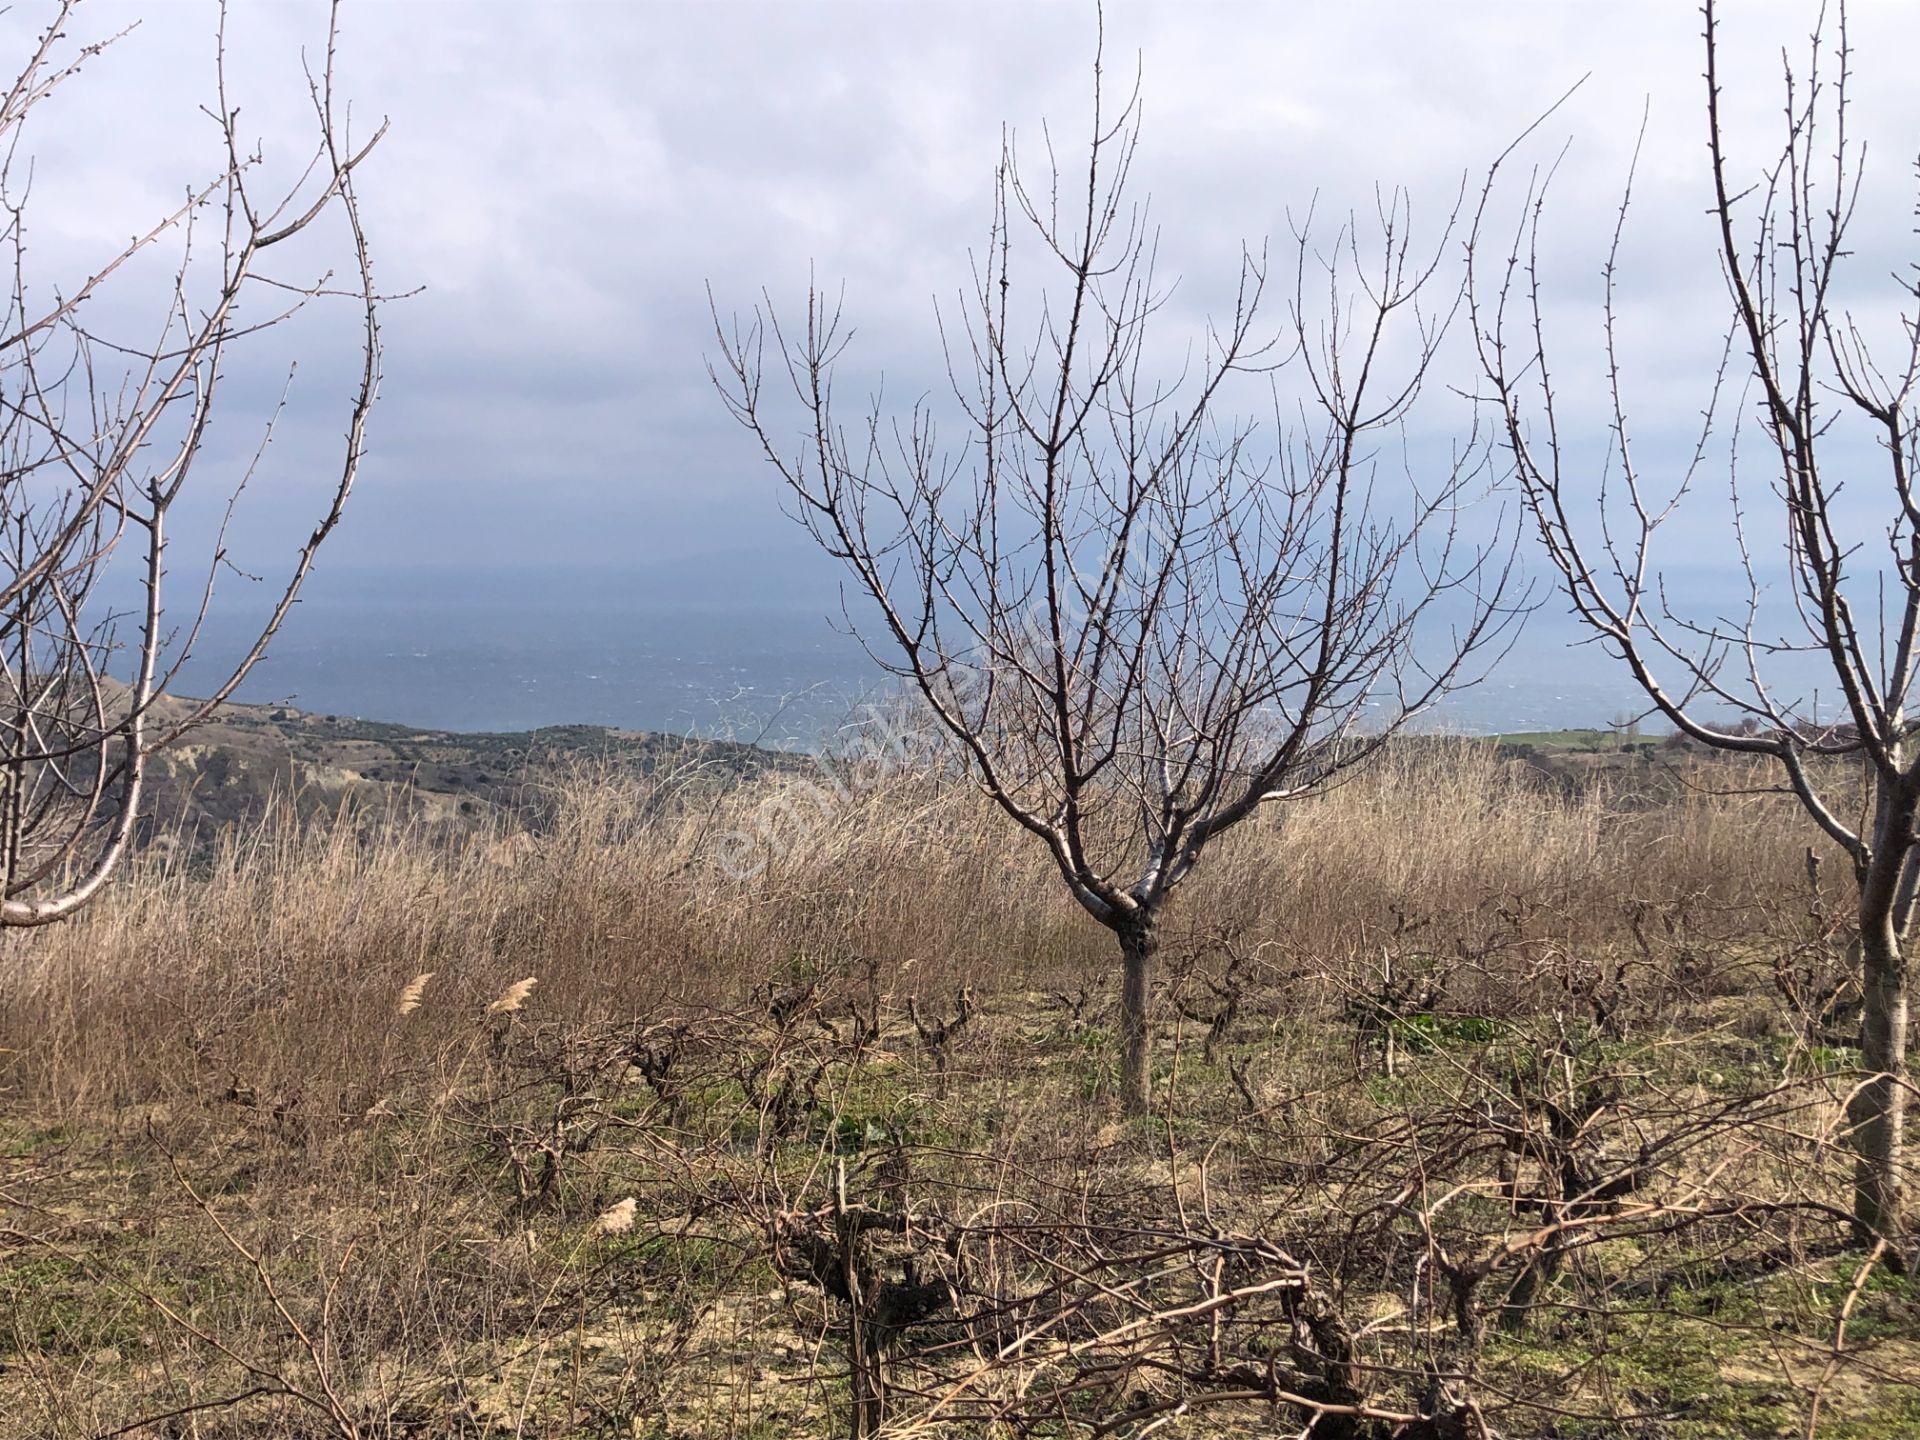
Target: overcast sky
563, 181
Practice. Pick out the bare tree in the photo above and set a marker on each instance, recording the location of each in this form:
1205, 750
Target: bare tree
1804, 363
100, 439
1140, 616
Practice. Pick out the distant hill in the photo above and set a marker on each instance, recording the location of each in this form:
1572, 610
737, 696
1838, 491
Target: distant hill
249, 756
230, 769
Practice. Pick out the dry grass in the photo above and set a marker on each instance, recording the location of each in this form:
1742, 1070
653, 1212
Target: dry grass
387, 1134
298, 943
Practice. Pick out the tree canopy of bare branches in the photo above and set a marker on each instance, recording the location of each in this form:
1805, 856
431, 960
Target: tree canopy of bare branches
1808, 386
102, 436
1140, 615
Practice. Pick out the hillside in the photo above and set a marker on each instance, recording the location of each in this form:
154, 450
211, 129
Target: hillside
230, 769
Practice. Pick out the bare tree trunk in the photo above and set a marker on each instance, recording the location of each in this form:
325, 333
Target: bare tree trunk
1139, 943
1878, 1109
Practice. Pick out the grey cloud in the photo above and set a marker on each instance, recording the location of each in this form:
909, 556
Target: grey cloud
564, 180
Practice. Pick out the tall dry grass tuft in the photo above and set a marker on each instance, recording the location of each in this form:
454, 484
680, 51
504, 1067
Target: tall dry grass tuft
280, 954
1442, 827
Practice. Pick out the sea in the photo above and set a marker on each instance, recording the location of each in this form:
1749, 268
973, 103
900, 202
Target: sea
528, 653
